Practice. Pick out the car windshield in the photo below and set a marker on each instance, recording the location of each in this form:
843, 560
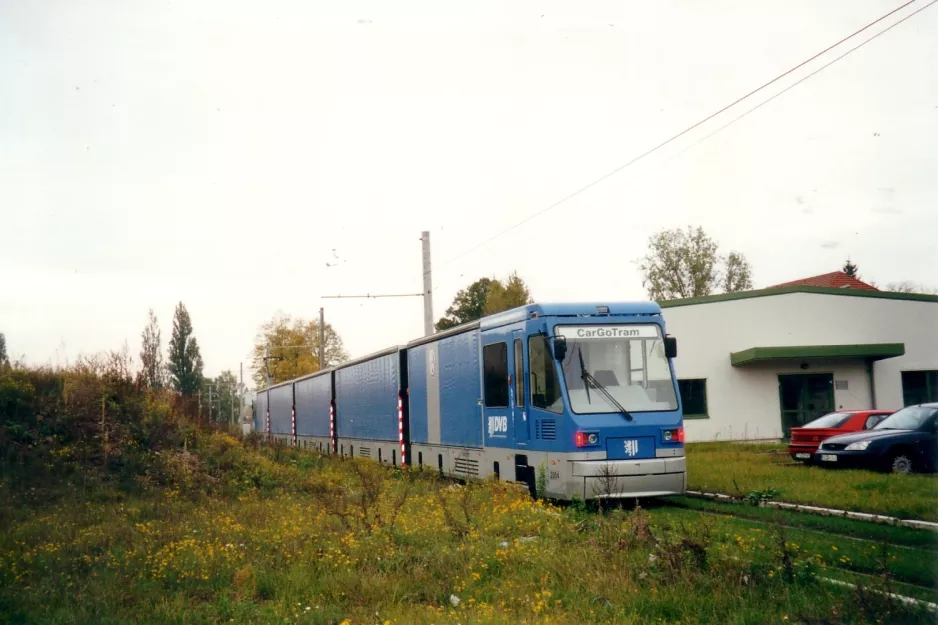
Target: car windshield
832, 420
910, 418
627, 361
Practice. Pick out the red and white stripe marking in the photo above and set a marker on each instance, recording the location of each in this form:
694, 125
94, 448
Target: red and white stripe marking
400, 428
268, 423
293, 424
332, 427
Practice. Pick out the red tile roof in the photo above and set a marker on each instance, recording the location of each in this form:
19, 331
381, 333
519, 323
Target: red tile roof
833, 280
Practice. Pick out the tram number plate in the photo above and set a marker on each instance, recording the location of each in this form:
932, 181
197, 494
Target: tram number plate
829, 457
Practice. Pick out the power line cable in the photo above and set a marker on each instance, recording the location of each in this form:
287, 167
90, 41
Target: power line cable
690, 128
801, 80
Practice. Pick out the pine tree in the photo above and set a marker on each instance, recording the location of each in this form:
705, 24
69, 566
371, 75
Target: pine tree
851, 270
151, 354
3, 349
185, 361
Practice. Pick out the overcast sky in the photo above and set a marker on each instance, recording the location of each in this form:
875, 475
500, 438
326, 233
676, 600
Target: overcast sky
217, 152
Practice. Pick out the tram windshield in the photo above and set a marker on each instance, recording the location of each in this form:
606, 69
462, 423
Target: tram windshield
626, 362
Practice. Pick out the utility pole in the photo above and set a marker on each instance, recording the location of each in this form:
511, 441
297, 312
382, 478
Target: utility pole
322, 339
267, 362
427, 286
427, 293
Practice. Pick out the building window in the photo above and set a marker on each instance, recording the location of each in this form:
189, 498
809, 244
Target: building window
495, 357
919, 387
693, 397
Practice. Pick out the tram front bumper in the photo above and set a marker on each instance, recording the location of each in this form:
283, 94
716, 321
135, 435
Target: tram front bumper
596, 479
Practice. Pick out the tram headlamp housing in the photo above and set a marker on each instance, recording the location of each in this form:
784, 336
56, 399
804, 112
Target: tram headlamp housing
673, 436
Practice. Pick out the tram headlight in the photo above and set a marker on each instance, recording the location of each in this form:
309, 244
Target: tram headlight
587, 439
673, 436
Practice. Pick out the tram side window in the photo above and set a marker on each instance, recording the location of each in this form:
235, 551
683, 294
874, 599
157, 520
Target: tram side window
545, 387
495, 358
519, 374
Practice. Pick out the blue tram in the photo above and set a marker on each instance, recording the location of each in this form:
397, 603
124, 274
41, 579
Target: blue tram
581, 395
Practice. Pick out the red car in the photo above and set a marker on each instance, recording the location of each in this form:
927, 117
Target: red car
805, 440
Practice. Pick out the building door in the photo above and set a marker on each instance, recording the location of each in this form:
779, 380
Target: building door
804, 397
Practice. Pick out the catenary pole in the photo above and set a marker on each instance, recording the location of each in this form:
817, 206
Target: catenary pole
427, 285
427, 293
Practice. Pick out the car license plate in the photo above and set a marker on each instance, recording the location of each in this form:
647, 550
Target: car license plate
829, 457
802, 456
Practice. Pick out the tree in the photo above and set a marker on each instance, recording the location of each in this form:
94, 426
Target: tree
851, 269
151, 354
225, 395
185, 361
737, 276
468, 305
3, 350
294, 349
503, 297
907, 286
485, 296
681, 264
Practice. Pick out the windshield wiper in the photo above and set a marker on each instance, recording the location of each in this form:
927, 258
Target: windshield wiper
589, 380
612, 400
584, 375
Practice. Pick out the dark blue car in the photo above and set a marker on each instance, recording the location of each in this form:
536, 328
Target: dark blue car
903, 442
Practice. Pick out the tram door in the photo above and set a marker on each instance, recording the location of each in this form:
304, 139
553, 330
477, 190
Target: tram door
519, 410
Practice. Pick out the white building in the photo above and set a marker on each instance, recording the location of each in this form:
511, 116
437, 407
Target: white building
753, 364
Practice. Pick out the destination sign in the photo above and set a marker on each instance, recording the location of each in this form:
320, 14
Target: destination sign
623, 331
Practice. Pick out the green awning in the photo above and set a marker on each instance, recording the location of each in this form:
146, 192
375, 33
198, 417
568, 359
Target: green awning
871, 351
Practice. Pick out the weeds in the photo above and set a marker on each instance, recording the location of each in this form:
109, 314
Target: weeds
759, 497
681, 551
619, 532
207, 528
541, 484
606, 483
457, 505
786, 555
350, 539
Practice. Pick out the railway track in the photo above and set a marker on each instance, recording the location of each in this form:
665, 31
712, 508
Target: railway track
788, 519
911, 560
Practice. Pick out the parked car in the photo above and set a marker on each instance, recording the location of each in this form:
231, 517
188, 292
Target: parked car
805, 440
903, 442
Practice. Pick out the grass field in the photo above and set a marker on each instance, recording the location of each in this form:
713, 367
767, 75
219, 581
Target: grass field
738, 469
234, 534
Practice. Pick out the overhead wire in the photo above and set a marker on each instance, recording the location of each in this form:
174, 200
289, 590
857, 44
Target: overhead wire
801, 80
673, 138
